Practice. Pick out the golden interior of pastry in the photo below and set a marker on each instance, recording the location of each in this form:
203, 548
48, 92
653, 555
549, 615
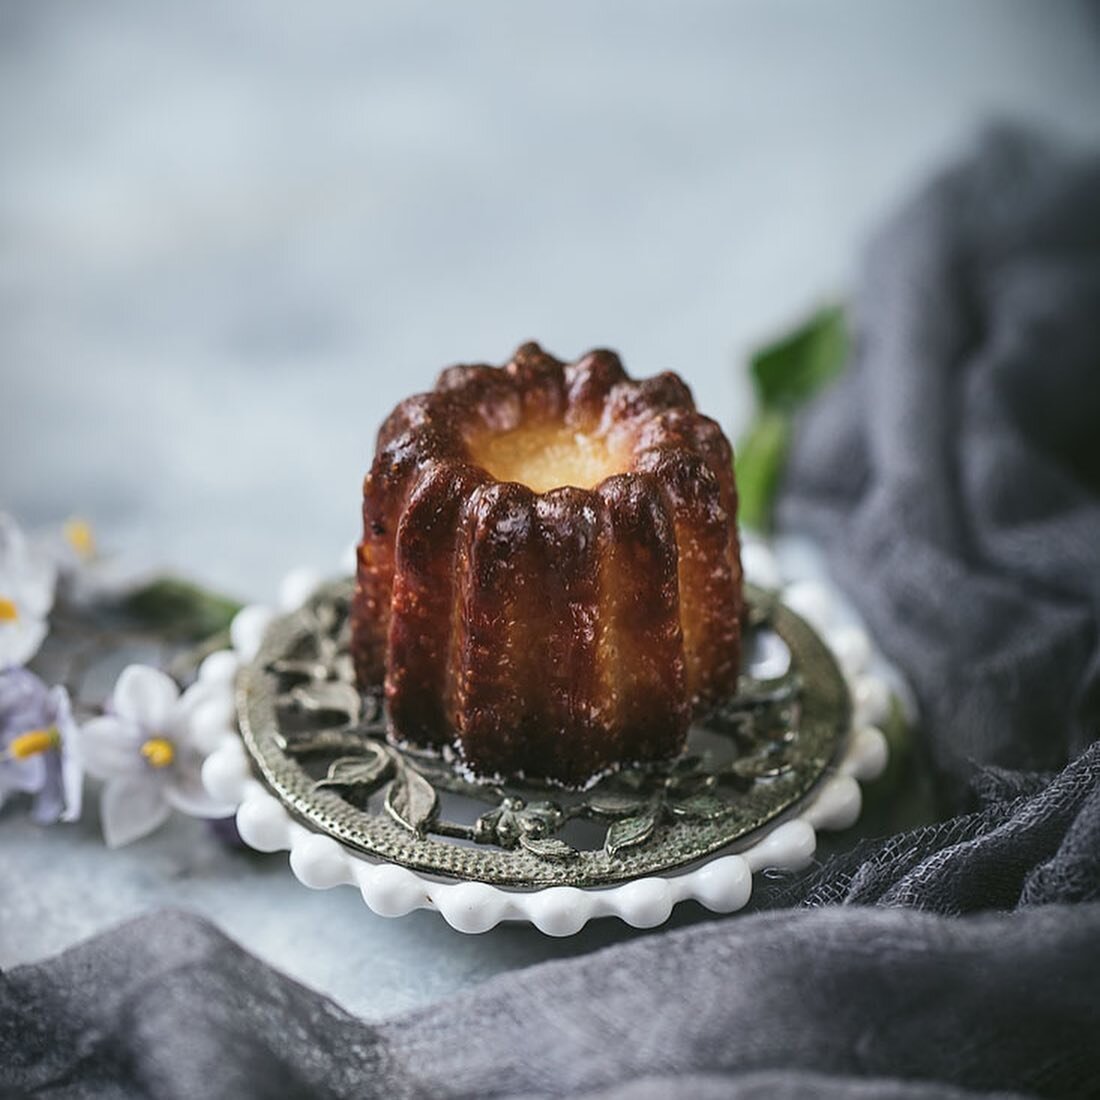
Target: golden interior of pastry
548, 456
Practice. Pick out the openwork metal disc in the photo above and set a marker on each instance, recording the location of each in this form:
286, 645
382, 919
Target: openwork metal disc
320, 745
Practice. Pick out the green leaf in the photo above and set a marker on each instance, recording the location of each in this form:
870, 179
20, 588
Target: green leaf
759, 465
411, 800
791, 370
785, 375
179, 609
629, 832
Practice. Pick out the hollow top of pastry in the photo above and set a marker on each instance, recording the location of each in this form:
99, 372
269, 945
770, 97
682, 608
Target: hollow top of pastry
547, 425
548, 456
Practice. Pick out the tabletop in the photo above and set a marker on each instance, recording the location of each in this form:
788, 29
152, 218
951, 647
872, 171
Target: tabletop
232, 240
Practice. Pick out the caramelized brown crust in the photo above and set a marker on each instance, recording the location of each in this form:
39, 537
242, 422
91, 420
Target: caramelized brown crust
418, 667
540, 382
498, 689
641, 643
551, 634
418, 429
588, 381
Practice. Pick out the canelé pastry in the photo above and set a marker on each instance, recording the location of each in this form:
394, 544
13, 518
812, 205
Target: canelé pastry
549, 580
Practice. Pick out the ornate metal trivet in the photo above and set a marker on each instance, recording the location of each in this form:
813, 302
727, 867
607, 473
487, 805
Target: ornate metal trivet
320, 745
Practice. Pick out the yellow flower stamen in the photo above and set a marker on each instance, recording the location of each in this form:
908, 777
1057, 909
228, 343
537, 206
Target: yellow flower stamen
9, 613
34, 742
159, 751
78, 533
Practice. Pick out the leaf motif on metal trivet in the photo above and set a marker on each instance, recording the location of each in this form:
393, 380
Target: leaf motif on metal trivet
548, 847
411, 800
767, 763
614, 803
366, 770
629, 832
529, 825
323, 740
328, 696
299, 669
701, 807
752, 693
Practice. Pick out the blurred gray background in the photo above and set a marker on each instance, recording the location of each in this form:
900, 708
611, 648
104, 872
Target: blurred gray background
233, 236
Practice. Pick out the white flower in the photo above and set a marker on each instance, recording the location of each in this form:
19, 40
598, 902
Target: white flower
81, 573
149, 749
71, 547
27, 581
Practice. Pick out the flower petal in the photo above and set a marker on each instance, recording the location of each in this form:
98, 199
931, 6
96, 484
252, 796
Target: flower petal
49, 803
72, 765
111, 747
145, 695
203, 693
37, 581
21, 640
61, 707
72, 785
24, 701
28, 776
130, 809
25, 570
186, 792
12, 540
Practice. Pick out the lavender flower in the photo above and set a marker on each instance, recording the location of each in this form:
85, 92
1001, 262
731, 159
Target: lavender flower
38, 747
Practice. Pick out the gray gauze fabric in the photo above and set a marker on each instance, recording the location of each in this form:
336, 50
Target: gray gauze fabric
952, 475
834, 1002
954, 472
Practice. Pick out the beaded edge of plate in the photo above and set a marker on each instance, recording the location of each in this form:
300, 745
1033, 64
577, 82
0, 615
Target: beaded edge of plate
722, 883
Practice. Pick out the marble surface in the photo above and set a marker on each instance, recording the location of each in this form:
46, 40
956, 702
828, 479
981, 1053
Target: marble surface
232, 239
